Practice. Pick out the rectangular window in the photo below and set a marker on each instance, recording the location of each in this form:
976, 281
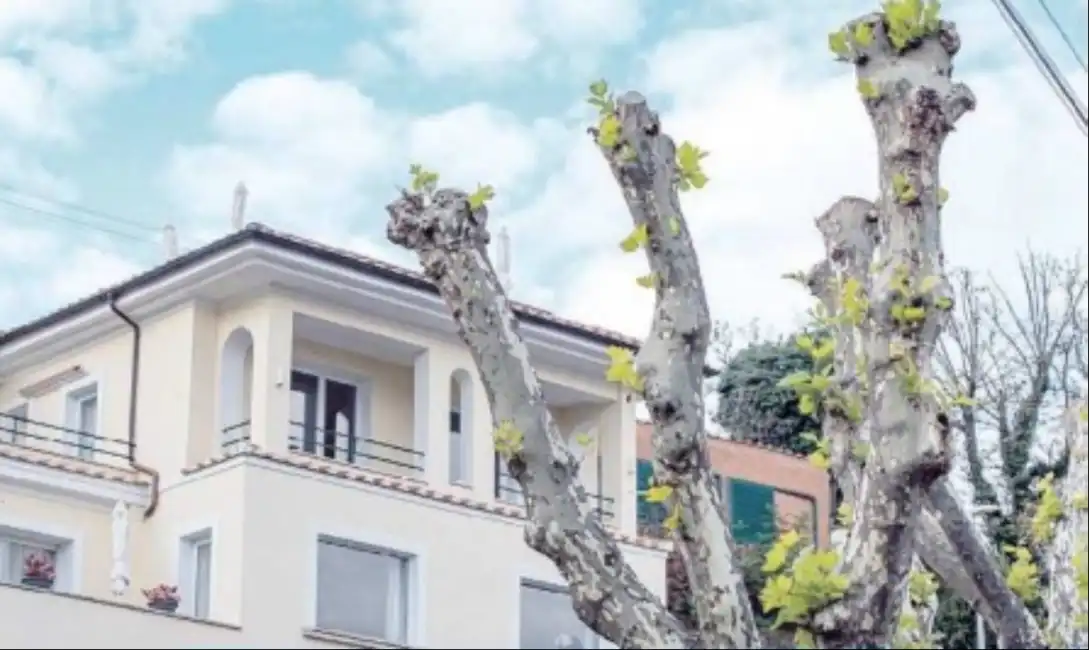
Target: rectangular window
649, 516
196, 574
457, 449
14, 553
13, 424
362, 590
752, 511
325, 416
83, 421
547, 620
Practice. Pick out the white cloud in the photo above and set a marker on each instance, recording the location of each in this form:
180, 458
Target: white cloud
441, 38
503, 150
304, 146
367, 61
480, 36
84, 271
320, 157
58, 57
785, 145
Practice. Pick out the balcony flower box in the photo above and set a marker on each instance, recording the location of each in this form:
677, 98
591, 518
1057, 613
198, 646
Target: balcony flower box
162, 598
38, 571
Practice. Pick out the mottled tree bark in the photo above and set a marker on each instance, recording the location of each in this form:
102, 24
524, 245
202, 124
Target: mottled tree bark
670, 363
893, 247
1067, 556
450, 239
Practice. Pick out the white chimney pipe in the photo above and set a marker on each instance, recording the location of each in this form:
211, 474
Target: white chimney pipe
502, 252
238, 210
170, 241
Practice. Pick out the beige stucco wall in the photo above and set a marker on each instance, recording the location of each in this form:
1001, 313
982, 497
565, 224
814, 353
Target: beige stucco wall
265, 520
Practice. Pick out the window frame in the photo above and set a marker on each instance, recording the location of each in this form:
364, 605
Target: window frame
189, 574
590, 639
403, 617
65, 554
361, 409
74, 399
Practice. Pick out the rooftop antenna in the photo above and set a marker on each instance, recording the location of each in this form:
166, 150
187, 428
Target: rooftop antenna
238, 211
502, 252
170, 241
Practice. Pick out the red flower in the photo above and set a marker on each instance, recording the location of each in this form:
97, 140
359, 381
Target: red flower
38, 565
162, 593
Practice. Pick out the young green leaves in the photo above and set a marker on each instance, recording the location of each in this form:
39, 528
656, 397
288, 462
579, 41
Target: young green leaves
608, 126
904, 190
622, 368
908, 21
508, 439
689, 167
636, 239
423, 181
482, 195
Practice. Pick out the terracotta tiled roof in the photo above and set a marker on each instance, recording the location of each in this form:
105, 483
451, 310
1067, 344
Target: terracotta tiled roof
399, 484
73, 465
347, 258
713, 439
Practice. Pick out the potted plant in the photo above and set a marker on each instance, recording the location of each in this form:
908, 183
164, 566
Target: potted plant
38, 571
162, 597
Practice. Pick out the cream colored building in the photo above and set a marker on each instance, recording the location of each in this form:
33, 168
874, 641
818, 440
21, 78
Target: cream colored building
302, 447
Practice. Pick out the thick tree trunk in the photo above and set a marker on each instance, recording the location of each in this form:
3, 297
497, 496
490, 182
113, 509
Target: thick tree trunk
670, 364
450, 239
1067, 556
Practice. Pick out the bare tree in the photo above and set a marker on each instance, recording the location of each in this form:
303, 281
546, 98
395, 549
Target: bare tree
1019, 359
889, 250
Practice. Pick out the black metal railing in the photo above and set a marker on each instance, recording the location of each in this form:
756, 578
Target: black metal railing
507, 490
18, 431
235, 438
363, 452
335, 445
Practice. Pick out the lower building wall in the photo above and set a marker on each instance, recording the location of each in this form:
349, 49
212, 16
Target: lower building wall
470, 565
264, 520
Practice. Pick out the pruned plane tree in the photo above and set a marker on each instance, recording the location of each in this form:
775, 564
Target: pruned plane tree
882, 293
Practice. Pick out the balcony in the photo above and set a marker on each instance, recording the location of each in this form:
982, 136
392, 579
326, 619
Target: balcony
343, 388
507, 490
339, 446
24, 435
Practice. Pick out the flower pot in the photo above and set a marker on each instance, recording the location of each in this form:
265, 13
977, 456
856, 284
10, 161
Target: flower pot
38, 582
164, 605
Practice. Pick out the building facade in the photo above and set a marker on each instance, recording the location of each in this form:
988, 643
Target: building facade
294, 437
764, 489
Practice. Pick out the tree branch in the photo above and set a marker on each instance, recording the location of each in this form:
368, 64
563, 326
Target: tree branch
913, 106
450, 239
670, 363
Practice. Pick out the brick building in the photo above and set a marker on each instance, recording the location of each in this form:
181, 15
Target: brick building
760, 485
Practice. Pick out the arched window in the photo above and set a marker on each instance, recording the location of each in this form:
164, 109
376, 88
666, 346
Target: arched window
461, 427
235, 391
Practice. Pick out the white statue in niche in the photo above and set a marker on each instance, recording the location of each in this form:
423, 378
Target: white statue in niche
119, 574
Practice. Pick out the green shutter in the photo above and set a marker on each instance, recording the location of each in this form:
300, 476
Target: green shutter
644, 474
752, 511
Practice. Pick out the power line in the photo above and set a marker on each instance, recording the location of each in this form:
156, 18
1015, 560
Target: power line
1044, 64
91, 212
1062, 34
72, 220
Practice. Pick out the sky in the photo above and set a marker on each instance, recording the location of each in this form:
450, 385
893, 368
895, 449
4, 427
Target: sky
120, 116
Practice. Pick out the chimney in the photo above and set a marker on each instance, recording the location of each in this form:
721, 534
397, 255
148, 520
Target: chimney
170, 241
502, 252
238, 210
